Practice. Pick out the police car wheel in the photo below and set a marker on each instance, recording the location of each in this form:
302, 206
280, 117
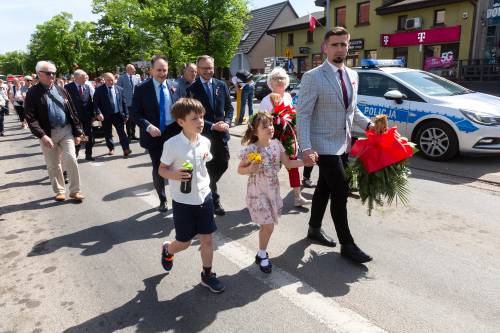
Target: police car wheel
437, 141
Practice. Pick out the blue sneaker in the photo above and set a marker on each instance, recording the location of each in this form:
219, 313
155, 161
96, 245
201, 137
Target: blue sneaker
212, 283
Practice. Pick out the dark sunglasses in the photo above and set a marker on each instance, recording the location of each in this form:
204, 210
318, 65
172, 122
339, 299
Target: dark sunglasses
48, 73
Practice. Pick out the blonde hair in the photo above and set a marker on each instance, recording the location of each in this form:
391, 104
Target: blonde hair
250, 135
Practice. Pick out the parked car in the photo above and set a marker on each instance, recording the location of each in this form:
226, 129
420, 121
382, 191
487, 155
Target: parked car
261, 88
441, 117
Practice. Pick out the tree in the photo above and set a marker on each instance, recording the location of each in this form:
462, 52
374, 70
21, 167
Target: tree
13, 63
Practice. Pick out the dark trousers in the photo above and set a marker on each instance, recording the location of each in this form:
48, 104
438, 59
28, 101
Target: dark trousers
332, 185
130, 125
2, 112
87, 129
20, 112
158, 181
307, 172
218, 165
115, 120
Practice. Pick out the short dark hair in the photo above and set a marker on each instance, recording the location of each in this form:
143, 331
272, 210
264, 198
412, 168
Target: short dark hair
337, 31
156, 58
185, 106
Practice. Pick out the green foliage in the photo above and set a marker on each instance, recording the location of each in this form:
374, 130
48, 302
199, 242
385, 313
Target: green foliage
388, 184
13, 62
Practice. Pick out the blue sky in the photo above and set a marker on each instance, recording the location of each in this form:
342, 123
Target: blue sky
19, 17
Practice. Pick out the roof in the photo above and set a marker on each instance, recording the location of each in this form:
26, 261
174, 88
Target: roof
299, 23
406, 5
262, 19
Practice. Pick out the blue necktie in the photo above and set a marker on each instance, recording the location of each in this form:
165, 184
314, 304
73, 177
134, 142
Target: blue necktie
209, 94
111, 100
163, 111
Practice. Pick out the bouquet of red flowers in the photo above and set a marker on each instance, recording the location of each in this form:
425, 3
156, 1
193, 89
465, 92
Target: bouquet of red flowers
284, 118
380, 169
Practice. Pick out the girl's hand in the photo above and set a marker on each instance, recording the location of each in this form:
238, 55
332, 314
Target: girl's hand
253, 167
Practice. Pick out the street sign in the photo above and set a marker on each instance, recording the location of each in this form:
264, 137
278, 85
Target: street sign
288, 52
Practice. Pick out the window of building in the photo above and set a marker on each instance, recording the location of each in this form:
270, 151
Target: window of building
370, 54
245, 36
363, 13
340, 17
402, 22
290, 39
401, 53
439, 16
310, 37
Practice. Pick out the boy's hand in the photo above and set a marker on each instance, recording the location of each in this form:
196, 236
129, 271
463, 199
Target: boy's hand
181, 175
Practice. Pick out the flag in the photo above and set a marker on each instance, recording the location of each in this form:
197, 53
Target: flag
312, 23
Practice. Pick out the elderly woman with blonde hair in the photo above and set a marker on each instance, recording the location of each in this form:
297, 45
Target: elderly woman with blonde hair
278, 80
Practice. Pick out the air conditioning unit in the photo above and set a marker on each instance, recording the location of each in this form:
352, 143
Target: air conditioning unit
413, 23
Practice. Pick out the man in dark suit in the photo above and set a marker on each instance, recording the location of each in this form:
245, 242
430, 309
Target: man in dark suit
82, 99
110, 106
151, 105
214, 95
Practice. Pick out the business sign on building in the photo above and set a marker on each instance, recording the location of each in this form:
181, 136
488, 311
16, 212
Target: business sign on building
357, 44
304, 50
493, 13
425, 37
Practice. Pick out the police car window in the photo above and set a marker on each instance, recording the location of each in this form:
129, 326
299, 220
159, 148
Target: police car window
373, 84
431, 84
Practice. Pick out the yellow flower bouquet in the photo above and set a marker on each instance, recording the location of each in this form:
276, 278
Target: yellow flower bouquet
255, 156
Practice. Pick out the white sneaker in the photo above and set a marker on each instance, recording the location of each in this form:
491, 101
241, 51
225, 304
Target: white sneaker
301, 201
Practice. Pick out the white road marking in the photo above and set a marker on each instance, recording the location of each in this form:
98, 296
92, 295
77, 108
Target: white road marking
323, 309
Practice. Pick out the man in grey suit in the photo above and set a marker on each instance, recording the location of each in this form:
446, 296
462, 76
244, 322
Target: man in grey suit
128, 81
181, 84
326, 112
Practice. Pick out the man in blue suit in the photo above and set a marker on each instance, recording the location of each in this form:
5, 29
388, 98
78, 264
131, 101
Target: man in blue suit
110, 105
128, 81
151, 105
82, 99
214, 95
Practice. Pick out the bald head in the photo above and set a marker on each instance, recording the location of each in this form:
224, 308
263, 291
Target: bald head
130, 69
109, 79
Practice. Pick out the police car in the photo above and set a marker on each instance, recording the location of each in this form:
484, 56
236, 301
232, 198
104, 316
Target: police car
441, 117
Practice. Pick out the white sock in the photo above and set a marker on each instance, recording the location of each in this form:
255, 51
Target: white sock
263, 254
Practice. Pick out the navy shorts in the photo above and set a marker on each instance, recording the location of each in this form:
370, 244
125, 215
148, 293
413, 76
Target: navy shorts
191, 220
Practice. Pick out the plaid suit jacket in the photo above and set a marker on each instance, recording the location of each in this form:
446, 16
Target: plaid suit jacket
323, 122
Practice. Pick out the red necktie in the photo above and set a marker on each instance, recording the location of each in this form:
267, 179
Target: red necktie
81, 91
344, 89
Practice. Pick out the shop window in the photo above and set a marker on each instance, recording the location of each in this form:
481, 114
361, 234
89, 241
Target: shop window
402, 22
439, 17
317, 60
310, 37
290, 39
370, 54
363, 13
401, 53
340, 13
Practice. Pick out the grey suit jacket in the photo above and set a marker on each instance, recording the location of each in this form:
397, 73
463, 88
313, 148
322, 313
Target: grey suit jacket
128, 90
323, 122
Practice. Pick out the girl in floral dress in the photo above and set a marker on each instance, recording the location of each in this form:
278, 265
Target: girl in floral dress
261, 160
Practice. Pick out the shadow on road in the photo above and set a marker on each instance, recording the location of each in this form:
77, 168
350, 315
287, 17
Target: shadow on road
23, 155
141, 165
31, 168
100, 239
33, 205
27, 183
129, 192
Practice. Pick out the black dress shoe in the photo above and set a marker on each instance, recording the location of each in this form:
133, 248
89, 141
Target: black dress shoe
163, 207
218, 210
89, 158
318, 235
354, 253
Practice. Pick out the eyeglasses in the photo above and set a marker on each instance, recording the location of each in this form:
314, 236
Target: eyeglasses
206, 68
279, 78
48, 73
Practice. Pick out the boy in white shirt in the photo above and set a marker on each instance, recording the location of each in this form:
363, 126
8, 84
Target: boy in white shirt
193, 211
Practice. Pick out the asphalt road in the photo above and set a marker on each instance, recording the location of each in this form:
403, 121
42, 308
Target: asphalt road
95, 266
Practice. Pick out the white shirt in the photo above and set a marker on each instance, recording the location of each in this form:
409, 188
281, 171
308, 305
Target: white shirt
345, 76
178, 150
267, 106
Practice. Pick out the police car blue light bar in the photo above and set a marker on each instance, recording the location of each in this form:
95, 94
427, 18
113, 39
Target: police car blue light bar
382, 63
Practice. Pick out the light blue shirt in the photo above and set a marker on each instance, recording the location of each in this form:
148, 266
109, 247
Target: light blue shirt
168, 102
57, 115
113, 95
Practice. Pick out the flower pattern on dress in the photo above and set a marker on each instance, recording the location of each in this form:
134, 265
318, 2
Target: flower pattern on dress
263, 191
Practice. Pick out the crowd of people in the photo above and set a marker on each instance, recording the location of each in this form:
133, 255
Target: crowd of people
184, 126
